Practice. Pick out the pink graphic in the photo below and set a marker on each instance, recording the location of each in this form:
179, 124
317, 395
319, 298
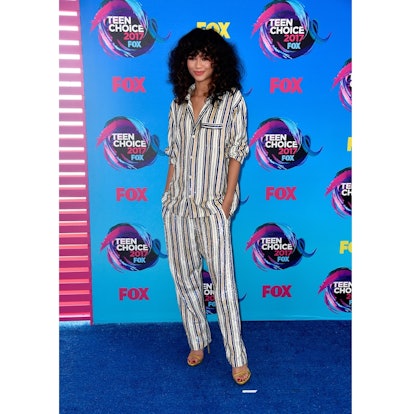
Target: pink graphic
344, 80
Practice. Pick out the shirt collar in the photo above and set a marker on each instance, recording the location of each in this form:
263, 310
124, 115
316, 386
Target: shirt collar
190, 90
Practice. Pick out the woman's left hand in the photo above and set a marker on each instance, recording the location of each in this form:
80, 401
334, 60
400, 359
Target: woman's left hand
226, 206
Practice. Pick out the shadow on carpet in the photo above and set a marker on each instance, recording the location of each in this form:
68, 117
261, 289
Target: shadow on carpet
298, 367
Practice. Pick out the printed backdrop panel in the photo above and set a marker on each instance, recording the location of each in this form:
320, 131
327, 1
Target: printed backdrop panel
292, 233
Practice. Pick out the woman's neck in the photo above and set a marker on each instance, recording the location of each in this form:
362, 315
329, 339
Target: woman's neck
201, 90
198, 94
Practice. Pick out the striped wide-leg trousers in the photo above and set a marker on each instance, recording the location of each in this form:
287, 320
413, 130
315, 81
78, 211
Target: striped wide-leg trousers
188, 241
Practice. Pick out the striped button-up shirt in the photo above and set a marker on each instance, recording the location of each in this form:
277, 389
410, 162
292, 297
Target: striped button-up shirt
200, 150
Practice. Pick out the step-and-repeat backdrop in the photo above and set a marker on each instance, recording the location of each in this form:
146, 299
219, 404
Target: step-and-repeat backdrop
292, 232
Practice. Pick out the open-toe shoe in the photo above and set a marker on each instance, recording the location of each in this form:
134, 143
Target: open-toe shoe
241, 375
196, 357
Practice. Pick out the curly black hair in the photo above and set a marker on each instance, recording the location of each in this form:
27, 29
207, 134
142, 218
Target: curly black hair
228, 69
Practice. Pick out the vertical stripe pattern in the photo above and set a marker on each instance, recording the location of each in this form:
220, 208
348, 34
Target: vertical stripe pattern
188, 240
200, 151
194, 221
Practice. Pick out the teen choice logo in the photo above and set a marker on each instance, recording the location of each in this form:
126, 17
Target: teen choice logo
131, 248
128, 143
281, 145
276, 247
341, 190
337, 288
285, 30
124, 29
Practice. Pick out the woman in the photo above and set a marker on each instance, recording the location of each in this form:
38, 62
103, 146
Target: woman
207, 143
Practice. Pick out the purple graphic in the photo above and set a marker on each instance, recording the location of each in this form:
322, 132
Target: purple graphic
128, 144
131, 248
344, 80
124, 29
338, 290
341, 188
281, 145
276, 247
285, 30
209, 299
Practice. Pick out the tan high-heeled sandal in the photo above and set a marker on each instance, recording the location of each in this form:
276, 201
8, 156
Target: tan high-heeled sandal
194, 358
242, 375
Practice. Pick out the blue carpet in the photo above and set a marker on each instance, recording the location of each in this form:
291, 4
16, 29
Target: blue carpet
298, 367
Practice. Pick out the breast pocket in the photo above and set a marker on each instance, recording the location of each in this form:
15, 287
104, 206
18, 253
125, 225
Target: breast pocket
208, 125
212, 134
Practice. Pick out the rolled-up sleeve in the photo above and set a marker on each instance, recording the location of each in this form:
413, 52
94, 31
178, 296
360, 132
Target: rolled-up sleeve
239, 146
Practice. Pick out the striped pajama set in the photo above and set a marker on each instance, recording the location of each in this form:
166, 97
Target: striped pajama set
195, 224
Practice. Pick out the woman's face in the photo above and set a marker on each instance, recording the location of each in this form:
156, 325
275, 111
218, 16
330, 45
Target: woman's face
200, 68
